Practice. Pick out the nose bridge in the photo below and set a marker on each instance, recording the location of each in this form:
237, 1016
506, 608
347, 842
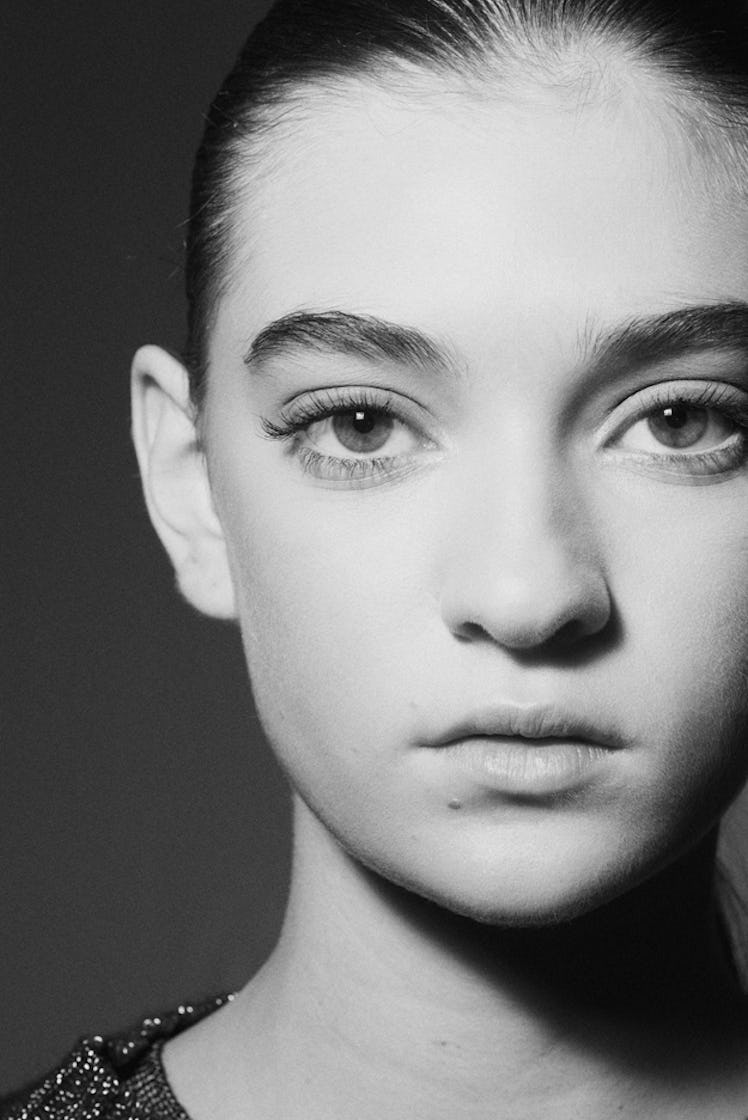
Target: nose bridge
522, 556
525, 500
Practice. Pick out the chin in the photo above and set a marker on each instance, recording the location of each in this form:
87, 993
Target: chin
527, 914
522, 901
531, 911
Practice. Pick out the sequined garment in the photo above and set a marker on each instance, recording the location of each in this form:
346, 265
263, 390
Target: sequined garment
112, 1079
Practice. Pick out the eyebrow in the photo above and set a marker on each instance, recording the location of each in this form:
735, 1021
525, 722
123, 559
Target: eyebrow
344, 332
647, 340
637, 342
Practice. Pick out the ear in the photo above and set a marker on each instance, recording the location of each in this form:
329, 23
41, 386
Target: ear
175, 481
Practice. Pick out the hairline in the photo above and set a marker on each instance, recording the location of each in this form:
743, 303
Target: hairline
699, 118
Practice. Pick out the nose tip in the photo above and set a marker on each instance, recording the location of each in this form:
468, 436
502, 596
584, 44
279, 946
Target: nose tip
554, 598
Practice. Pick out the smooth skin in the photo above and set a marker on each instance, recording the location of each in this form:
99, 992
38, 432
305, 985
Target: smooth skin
522, 536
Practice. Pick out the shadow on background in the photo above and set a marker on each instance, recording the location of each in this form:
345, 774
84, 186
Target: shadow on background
144, 824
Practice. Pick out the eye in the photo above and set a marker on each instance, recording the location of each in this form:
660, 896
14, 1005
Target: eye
362, 432
679, 425
689, 428
355, 436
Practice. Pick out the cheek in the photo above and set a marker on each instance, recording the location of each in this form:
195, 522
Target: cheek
333, 595
681, 584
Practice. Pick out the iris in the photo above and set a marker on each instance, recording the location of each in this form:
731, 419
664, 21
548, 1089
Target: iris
679, 424
364, 430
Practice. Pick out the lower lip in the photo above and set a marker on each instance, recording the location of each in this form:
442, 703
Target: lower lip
527, 767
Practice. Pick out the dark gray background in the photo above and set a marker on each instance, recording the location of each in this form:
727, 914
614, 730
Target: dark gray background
143, 833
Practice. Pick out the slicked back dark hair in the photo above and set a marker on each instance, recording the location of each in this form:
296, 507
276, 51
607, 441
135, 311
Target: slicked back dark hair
701, 46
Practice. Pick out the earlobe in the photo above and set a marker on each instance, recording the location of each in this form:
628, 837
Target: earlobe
175, 481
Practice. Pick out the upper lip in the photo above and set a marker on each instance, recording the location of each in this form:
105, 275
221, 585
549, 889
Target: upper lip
532, 722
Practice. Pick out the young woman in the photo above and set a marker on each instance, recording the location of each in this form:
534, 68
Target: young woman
460, 441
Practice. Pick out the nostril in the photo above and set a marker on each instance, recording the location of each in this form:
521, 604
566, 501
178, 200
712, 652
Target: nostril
572, 632
471, 632
536, 598
521, 620
574, 638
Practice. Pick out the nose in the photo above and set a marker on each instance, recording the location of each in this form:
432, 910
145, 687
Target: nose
524, 567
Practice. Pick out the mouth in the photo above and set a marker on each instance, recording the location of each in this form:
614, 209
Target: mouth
527, 751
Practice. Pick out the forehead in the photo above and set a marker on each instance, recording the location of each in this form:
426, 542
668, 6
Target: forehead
484, 217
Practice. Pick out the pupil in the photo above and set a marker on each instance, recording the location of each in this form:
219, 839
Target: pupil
675, 416
363, 423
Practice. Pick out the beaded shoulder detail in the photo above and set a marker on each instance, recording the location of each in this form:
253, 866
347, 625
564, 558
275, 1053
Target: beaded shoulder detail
98, 1080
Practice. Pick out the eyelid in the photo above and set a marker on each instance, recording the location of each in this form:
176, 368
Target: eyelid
720, 395
299, 416
315, 405
353, 391
357, 474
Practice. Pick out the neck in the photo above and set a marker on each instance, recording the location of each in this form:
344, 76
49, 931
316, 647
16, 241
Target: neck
568, 1017
660, 946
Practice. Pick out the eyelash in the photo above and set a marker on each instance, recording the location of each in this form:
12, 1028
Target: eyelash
326, 403
717, 397
323, 405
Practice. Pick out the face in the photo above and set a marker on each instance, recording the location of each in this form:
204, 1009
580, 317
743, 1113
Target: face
476, 429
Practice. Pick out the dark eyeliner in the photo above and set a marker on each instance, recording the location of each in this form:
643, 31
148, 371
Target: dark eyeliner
321, 406
717, 397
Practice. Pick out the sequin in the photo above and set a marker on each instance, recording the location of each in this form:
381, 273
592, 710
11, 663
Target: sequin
112, 1079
